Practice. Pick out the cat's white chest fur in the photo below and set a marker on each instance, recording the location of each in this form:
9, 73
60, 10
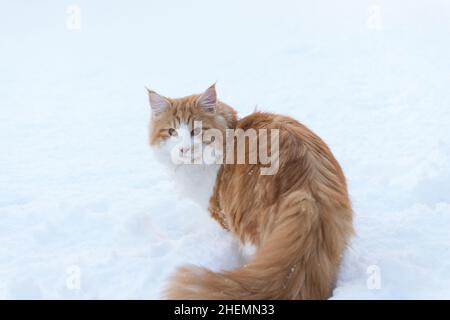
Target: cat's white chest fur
196, 182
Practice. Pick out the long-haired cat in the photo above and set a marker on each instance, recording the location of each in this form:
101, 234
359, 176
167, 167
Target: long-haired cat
299, 218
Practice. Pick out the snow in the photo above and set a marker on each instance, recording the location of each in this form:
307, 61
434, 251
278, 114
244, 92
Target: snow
86, 211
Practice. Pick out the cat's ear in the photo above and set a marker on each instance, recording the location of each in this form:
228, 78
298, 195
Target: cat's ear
158, 103
208, 99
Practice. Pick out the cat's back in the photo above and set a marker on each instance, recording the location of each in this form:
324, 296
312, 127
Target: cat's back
288, 126
304, 158
293, 135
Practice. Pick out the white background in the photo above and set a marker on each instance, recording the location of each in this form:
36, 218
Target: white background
80, 189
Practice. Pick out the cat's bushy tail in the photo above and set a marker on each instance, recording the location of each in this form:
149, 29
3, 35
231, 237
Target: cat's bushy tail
298, 258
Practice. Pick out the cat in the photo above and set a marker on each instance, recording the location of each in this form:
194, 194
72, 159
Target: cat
299, 219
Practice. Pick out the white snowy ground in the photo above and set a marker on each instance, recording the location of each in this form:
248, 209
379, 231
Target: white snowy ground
81, 191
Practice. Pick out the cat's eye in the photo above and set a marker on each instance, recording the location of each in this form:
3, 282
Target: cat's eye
196, 131
172, 132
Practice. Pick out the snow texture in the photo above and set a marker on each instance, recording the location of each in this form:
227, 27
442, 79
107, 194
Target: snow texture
86, 212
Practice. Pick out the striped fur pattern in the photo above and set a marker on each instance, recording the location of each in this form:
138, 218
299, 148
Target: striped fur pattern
300, 219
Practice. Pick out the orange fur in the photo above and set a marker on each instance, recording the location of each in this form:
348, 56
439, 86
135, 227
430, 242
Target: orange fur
300, 219
187, 109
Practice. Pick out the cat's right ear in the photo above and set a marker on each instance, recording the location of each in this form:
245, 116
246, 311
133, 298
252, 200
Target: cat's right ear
158, 103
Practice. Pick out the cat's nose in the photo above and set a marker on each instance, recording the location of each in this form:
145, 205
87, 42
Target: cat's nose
184, 150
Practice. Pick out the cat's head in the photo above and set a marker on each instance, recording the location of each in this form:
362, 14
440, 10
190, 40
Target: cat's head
185, 130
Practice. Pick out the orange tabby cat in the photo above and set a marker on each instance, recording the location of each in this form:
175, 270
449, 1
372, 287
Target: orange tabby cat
299, 219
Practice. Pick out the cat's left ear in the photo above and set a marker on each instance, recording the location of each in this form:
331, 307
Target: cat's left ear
158, 103
208, 99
